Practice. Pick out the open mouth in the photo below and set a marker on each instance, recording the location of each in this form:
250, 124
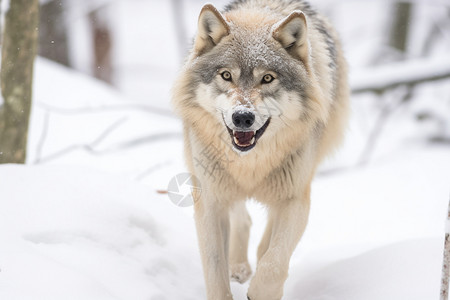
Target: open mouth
246, 140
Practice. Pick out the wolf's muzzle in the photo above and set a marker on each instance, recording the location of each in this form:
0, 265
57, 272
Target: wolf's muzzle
244, 140
243, 119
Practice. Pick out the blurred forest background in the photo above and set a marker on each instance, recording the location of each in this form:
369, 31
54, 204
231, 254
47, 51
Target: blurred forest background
398, 53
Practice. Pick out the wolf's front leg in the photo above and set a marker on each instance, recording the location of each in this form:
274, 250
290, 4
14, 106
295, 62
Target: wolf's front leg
239, 234
212, 222
289, 222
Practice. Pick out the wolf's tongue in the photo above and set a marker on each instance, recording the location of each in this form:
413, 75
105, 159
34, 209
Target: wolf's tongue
244, 137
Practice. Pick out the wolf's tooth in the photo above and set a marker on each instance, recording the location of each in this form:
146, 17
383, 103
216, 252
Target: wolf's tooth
252, 140
236, 140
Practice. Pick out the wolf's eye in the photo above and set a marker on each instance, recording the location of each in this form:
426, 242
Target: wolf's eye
267, 79
226, 76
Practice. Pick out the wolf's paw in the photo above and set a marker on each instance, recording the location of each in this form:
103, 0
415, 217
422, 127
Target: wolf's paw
240, 272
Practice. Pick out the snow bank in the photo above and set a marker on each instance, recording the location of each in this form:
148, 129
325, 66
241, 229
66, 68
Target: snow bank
68, 233
407, 270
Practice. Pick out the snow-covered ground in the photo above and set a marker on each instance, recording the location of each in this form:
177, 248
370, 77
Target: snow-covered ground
83, 219
76, 233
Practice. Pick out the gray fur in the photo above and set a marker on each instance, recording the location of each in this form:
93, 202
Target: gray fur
248, 51
314, 20
310, 96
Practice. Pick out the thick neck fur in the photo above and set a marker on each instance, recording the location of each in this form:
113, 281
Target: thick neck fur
211, 146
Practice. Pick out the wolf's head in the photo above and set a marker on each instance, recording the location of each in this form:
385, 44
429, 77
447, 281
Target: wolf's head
249, 71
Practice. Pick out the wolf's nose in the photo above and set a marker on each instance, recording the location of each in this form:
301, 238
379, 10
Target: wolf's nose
243, 119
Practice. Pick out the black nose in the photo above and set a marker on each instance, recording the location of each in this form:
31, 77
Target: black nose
243, 119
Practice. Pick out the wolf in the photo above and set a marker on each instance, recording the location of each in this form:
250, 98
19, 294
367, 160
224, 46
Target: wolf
263, 98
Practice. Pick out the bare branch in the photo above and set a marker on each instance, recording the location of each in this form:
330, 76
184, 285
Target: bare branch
381, 121
92, 147
141, 141
102, 108
87, 147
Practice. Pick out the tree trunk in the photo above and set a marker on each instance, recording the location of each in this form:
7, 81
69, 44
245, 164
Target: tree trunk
1, 32
19, 51
446, 262
400, 26
53, 32
102, 42
180, 28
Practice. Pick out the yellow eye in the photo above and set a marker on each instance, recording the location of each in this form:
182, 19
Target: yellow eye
226, 76
267, 79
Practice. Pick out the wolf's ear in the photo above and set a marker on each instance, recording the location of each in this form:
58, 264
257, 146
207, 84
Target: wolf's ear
212, 27
292, 33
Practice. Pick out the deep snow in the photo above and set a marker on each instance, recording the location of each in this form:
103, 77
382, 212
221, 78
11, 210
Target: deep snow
75, 233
